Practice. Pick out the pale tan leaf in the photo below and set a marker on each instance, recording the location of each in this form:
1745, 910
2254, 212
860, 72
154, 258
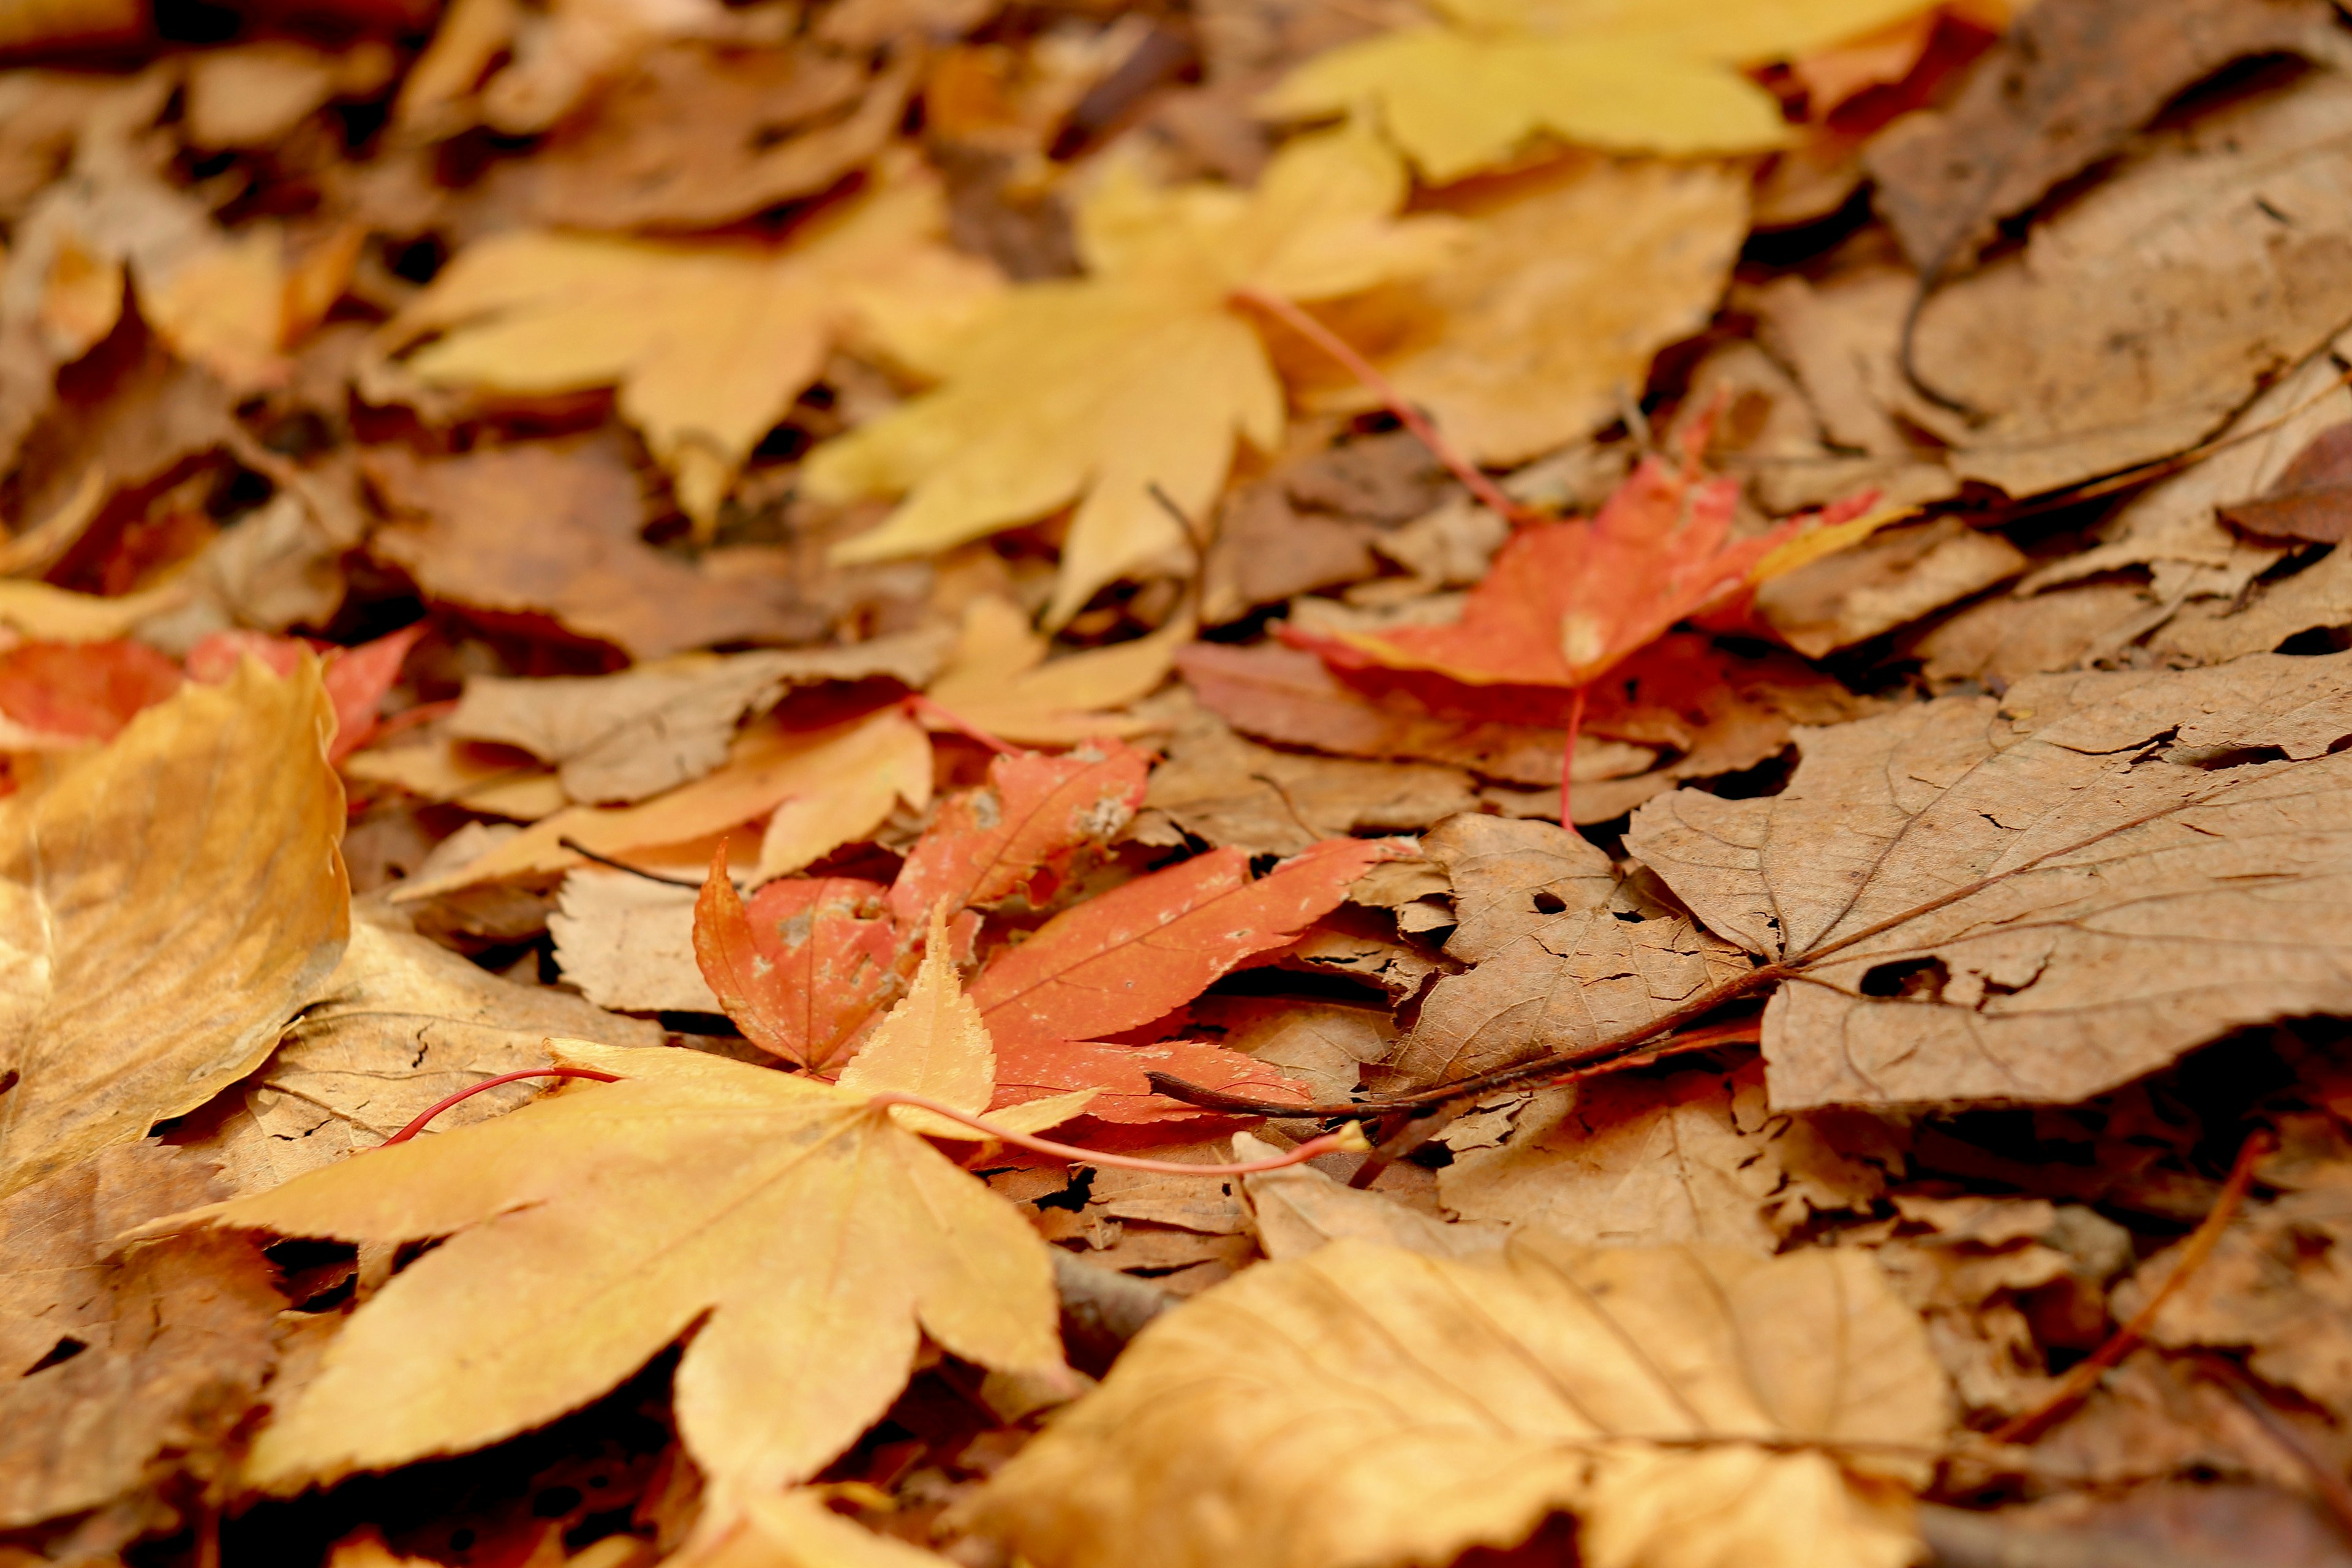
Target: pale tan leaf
2039, 896
1370, 1405
629, 944
795, 1529
930, 1043
166, 906
1297, 1210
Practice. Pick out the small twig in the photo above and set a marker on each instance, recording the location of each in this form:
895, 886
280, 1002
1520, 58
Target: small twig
1348, 1140
1473, 479
438, 1107
2335, 1495
1195, 538
924, 707
585, 853
1314, 835
2087, 1371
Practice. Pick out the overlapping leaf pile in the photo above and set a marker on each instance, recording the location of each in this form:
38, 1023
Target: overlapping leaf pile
729, 732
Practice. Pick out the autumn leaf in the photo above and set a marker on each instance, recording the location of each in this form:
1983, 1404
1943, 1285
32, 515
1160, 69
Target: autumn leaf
2038, 897
1143, 373
804, 966
1368, 1404
84, 690
1462, 94
1016, 835
356, 678
153, 956
707, 345
1000, 681
811, 1234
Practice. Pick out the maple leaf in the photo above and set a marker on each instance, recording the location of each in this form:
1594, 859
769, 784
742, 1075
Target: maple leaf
1631, 76
803, 967
84, 690
707, 345
810, 1231
1368, 1404
1018, 833
1143, 373
356, 678
154, 935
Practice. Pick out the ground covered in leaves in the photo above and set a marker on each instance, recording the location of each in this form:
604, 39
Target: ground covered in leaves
813, 784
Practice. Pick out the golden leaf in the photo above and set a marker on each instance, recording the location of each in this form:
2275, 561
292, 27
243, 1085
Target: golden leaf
166, 905
1370, 1405
1656, 76
1141, 374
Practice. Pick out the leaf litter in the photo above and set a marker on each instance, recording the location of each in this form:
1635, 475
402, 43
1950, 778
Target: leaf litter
905, 779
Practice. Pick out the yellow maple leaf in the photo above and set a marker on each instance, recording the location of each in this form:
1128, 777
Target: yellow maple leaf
810, 1231
1631, 76
708, 344
1143, 373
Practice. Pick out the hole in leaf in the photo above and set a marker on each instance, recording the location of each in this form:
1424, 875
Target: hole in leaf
1549, 903
64, 1350
1909, 979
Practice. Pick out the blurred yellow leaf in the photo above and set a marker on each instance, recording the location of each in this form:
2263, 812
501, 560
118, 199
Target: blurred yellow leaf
1000, 681
1141, 374
1629, 76
707, 345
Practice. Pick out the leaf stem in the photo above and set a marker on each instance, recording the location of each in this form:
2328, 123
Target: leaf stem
1348, 1140
439, 1106
2087, 1371
1290, 314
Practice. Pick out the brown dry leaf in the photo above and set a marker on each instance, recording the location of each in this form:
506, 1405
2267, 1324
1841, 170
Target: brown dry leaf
1543, 327
623, 737
1315, 519
2301, 596
698, 136
1690, 1157
458, 531
1982, 899
153, 956
1562, 957
254, 95
1893, 578
492, 784
810, 1234
1219, 788
174, 1336
2009, 637
401, 1023
1370, 1405
2308, 501
2066, 88
629, 944
2052, 346
1298, 1210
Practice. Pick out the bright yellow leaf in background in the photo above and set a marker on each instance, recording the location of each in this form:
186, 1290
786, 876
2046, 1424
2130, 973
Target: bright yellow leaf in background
708, 344
1628, 75
1141, 374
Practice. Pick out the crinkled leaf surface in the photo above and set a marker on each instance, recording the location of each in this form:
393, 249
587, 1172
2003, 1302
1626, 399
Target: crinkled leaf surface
810, 1235
1094, 390
165, 906
2039, 897
1368, 1406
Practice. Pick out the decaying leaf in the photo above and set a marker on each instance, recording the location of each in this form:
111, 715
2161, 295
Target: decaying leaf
804, 967
1561, 956
153, 956
2312, 500
2066, 88
1462, 94
809, 1233
1999, 900
400, 1024
116, 1361
1142, 373
1368, 1404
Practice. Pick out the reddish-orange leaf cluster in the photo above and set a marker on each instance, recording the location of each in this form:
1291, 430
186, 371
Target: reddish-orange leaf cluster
810, 962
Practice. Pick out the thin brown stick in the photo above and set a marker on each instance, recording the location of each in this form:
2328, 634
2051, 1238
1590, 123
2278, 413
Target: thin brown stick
567, 842
1489, 494
2087, 1373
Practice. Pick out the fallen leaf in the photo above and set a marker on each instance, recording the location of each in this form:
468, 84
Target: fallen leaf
1988, 900
178, 1342
795, 1529
2067, 87
401, 1023
808, 1233
1368, 1404
2312, 500
581, 562
2047, 345
1116, 1076
154, 955
1570, 280
1692, 1157
1895, 577
1298, 1210
1018, 834
88, 691
623, 737
1560, 957
1141, 374
55, 615
1000, 683
356, 678
255, 95
804, 967
627, 943
708, 345
1464, 94
445, 770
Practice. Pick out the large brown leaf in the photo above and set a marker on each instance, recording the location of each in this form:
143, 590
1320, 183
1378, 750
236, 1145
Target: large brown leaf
166, 906
2038, 898
1367, 1405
